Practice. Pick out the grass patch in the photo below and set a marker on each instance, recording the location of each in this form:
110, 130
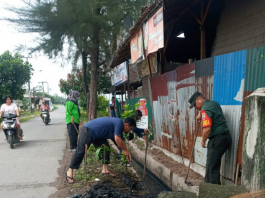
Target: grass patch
55, 107
93, 172
28, 113
102, 114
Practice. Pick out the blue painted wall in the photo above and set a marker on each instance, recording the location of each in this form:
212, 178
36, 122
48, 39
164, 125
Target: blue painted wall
229, 75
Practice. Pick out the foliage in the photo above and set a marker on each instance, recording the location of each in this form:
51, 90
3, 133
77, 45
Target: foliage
74, 82
102, 103
102, 114
83, 115
100, 152
55, 99
14, 73
25, 104
124, 159
129, 111
89, 28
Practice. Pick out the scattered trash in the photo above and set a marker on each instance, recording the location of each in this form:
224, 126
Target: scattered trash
106, 190
97, 179
75, 196
135, 185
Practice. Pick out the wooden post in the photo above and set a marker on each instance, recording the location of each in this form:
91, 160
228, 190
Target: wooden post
85, 161
122, 98
203, 47
125, 92
129, 82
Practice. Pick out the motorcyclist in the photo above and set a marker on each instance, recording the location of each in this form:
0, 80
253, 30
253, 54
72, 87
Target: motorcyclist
45, 107
10, 107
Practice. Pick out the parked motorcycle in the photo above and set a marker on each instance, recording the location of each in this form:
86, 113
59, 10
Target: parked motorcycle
45, 117
10, 130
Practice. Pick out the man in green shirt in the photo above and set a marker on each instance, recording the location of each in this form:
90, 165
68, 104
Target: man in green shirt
216, 130
72, 118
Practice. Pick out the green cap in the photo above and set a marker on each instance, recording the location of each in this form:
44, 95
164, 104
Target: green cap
193, 98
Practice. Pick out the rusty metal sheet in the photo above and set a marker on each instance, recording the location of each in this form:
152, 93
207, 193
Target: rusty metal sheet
204, 84
159, 86
185, 116
171, 76
173, 121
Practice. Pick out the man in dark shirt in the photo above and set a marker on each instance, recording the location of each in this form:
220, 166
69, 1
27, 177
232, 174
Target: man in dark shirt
216, 130
97, 132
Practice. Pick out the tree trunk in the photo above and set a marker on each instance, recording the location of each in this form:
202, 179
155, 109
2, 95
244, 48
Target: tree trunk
84, 82
94, 52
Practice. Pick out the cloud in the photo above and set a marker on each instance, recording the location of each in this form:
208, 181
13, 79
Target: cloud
10, 38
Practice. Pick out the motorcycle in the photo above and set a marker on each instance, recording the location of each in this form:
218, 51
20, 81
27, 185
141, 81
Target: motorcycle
45, 117
10, 130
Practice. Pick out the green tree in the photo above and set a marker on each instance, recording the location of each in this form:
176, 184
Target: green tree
74, 82
14, 74
102, 103
90, 28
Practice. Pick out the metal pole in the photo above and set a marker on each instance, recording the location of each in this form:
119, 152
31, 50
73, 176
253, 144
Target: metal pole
30, 98
43, 89
146, 148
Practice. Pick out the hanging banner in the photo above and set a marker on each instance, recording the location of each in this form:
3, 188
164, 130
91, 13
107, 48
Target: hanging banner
145, 66
143, 122
137, 46
120, 74
154, 33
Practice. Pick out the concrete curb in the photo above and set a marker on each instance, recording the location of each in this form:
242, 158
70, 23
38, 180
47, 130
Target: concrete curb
173, 181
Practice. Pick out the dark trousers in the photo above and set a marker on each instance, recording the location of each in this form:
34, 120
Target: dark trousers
73, 135
85, 139
113, 113
216, 147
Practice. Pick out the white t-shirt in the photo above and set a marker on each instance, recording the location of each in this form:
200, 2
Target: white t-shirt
12, 108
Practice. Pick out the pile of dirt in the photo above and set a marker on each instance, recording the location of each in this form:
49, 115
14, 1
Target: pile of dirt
177, 168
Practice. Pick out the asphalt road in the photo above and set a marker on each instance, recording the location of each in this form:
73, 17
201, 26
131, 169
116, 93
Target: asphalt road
30, 169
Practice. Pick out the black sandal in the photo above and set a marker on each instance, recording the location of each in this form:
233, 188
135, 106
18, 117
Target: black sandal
67, 177
109, 173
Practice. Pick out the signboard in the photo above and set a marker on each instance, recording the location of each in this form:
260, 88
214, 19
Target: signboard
137, 46
112, 80
154, 33
145, 66
120, 74
143, 122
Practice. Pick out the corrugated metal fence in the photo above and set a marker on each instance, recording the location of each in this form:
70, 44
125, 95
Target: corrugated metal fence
227, 79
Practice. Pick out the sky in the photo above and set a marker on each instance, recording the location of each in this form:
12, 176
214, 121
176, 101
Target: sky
10, 38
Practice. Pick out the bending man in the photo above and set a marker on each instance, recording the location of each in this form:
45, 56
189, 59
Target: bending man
97, 132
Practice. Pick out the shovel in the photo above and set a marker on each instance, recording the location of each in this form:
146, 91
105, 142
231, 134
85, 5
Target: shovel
145, 157
191, 155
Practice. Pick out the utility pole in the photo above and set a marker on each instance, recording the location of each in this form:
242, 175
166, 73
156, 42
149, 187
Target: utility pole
43, 87
29, 88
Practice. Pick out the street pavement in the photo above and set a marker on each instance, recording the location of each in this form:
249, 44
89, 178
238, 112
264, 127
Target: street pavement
30, 169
